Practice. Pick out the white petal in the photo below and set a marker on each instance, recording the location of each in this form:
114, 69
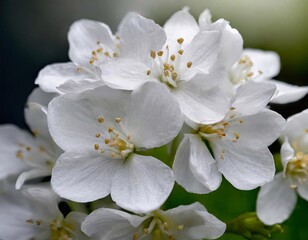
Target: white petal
288, 93
202, 52
200, 103
10, 138
75, 86
154, 117
180, 25
83, 37
303, 189
74, 220
197, 222
286, 153
266, 61
252, 97
276, 201
258, 129
83, 177
194, 167
52, 76
138, 36
125, 74
41, 97
111, 224
205, 18
245, 168
142, 184
73, 117
32, 174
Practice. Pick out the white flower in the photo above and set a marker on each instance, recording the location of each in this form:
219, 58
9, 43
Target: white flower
31, 156
249, 64
277, 199
100, 131
239, 143
33, 214
190, 222
179, 56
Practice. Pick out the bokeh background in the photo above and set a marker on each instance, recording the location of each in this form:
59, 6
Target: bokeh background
33, 33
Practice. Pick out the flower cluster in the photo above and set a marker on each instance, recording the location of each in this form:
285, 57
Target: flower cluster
96, 120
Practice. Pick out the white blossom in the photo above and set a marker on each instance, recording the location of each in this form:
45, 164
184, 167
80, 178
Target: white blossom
190, 222
277, 199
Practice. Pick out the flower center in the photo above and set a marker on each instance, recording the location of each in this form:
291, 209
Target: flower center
159, 228
167, 67
297, 169
113, 142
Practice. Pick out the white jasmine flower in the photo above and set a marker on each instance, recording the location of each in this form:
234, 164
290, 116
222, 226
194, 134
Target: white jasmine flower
178, 56
31, 156
33, 214
277, 199
239, 143
190, 222
249, 64
100, 130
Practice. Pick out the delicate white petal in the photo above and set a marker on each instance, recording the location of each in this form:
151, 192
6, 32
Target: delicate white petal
125, 74
180, 25
73, 117
205, 18
202, 52
276, 201
286, 153
74, 221
83, 37
251, 97
194, 167
41, 97
76, 86
303, 189
245, 168
154, 117
10, 138
197, 222
142, 184
287, 93
83, 177
200, 103
262, 128
111, 224
32, 174
52, 76
266, 61
138, 36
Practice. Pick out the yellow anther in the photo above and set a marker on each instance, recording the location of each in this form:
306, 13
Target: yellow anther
79, 69
306, 130
250, 74
38, 222
166, 66
36, 132
146, 231
160, 53
166, 73
97, 135
115, 55
165, 225
153, 54
261, 72
96, 146
180, 40
19, 154
117, 119
28, 148
91, 61
135, 236
232, 116
148, 72
180, 227
174, 76
180, 51
107, 54
225, 124
30, 221
232, 108
107, 141
240, 121
113, 155
237, 135
93, 53
100, 119
172, 57
99, 50
189, 64
110, 129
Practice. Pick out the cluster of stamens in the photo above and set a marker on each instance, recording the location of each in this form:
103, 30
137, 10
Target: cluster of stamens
297, 169
242, 70
117, 145
100, 54
158, 228
167, 67
58, 232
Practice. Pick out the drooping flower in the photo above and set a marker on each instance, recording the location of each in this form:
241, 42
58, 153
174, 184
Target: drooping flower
277, 199
100, 131
33, 214
191, 222
238, 142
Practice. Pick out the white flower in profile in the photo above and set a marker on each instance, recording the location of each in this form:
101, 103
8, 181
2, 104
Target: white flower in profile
243, 65
33, 213
178, 56
100, 131
26, 155
277, 199
191, 222
238, 142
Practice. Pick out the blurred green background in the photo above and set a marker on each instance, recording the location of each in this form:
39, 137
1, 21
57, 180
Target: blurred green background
33, 33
